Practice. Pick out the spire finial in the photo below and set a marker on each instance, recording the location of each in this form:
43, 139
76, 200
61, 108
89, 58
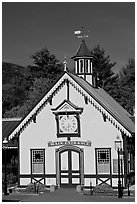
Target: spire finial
65, 64
81, 33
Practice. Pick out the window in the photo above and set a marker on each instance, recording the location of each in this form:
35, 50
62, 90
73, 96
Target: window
103, 156
81, 66
86, 66
103, 161
37, 156
38, 161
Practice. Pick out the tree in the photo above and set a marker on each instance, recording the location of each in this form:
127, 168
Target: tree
102, 66
36, 92
15, 85
127, 86
46, 65
121, 86
42, 75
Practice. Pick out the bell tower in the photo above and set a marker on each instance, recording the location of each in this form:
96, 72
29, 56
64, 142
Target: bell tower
83, 63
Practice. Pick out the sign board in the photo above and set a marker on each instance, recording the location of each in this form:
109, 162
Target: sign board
58, 143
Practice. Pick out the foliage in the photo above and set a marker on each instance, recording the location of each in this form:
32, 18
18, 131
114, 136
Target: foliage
46, 65
103, 189
127, 85
102, 66
11, 178
123, 89
14, 74
40, 77
15, 80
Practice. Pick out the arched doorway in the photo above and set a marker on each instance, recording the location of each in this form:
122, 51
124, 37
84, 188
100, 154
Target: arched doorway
70, 166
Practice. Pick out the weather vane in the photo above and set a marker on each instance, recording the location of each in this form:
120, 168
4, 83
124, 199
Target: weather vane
81, 33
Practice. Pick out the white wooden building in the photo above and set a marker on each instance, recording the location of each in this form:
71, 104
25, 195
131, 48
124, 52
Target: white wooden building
69, 136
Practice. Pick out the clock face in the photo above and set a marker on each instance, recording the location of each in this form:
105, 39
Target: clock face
68, 124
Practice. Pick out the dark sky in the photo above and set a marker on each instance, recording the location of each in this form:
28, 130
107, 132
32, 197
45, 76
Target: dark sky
28, 27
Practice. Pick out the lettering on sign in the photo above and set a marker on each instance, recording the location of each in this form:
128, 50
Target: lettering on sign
58, 143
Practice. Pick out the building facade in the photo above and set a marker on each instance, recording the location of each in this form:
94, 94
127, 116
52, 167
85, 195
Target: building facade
68, 138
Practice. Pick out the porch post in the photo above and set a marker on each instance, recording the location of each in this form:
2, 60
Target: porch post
125, 159
57, 168
82, 166
18, 143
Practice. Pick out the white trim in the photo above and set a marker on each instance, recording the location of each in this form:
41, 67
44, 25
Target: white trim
11, 119
83, 57
89, 66
10, 148
76, 67
91, 69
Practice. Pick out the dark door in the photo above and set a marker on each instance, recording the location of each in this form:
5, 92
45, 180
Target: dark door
69, 168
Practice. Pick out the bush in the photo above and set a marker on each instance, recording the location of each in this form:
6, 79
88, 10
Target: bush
11, 178
103, 188
131, 178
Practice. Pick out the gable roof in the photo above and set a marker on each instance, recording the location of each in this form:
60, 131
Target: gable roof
8, 125
82, 51
109, 104
102, 101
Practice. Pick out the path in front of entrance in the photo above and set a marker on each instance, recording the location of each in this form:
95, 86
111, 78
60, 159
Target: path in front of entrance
66, 195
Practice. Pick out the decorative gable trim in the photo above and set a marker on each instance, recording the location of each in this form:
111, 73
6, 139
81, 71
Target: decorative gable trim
53, 91
68, 106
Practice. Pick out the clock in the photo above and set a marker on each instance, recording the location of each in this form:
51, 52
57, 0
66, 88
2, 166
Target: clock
68, 124
67, 116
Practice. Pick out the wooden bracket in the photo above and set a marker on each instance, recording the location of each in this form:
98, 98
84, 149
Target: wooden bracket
104, 117
86, 99
34, 118
50, 100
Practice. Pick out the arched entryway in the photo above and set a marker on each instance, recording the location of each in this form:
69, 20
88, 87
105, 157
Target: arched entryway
69, 166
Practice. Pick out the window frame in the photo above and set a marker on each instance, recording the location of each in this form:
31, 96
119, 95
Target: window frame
35, 162
108, 162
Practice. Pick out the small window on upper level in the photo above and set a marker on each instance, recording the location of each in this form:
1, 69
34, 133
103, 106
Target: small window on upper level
81, 66
86, 66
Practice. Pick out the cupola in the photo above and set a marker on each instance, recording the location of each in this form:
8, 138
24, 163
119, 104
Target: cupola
83, 63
